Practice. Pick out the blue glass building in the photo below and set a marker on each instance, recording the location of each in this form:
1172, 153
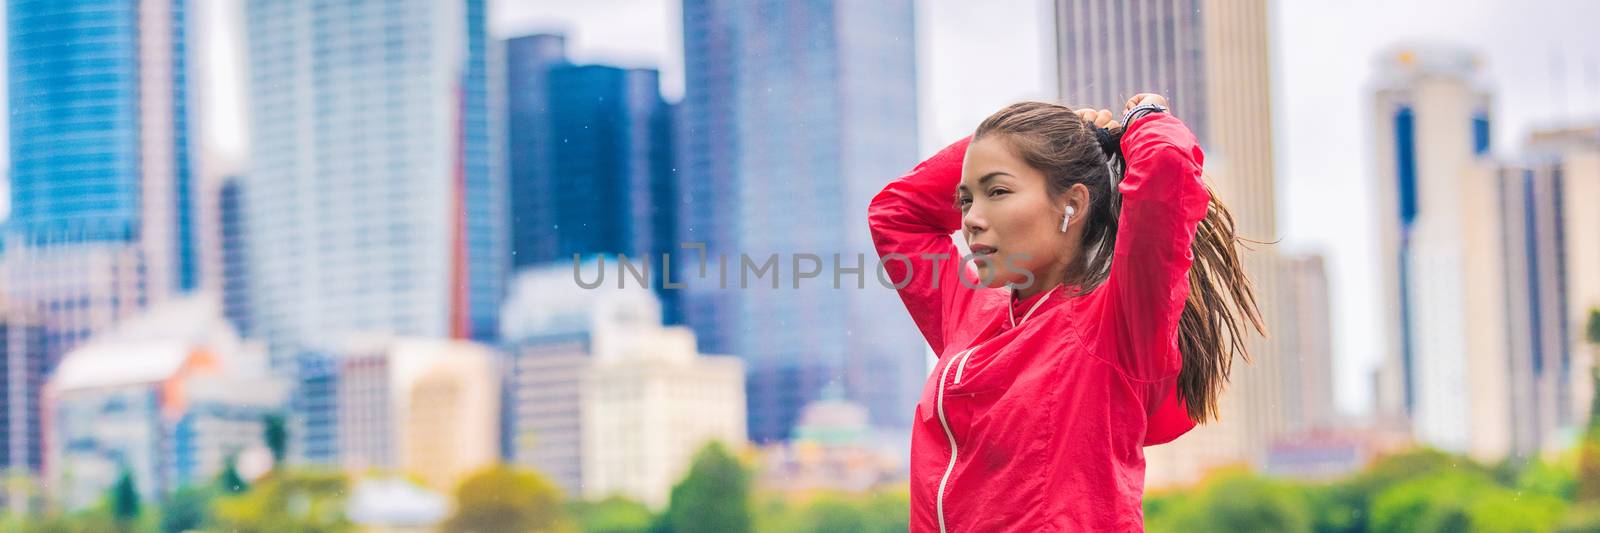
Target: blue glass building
529, 146
794, 115
100, 118
611, 189
591, 161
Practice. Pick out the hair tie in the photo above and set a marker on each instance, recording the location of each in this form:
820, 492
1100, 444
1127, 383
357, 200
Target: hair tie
1108, 145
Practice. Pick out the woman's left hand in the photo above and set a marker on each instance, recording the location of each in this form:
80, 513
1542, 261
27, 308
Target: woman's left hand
1100, 118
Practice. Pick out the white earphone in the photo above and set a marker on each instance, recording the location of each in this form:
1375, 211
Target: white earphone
1070, 211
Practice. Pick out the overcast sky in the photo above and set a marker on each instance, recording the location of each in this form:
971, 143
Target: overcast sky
975, 57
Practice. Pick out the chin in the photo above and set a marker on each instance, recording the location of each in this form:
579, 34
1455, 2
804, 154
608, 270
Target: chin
996, 279
985, 273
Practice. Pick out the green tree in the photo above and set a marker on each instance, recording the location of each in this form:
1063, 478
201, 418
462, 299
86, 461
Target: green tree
1504, 511
1585, 515
714, 496
502, 498
1462, 501
1592, 332
229, 479
1238, 502
125, 499
1589, 446
187, 509
885, 510
1556, 477
1345, 506
275, 432
288, 501
613, 515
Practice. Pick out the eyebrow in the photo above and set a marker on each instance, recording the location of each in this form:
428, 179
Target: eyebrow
986, 178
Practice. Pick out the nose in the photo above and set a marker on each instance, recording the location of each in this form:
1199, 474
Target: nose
974, 222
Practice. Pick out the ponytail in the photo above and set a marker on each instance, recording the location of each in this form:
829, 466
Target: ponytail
1221, 305
1221, 299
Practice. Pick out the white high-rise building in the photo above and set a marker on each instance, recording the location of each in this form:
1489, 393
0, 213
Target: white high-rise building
374, 201
1551, 250
1441, 251
1572, 154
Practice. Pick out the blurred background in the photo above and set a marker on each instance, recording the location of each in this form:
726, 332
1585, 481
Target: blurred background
476, 265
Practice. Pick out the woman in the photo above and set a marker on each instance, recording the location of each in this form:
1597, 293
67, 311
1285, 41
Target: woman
1097, 314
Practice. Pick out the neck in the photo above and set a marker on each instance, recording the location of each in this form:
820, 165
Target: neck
1041, 284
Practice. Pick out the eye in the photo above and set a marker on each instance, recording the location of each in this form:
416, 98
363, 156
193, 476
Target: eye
964, 201
997, 191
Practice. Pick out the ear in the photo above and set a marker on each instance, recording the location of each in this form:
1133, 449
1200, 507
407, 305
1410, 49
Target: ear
1076, 196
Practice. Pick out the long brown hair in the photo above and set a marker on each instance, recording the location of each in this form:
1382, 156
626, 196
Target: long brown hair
1057, 142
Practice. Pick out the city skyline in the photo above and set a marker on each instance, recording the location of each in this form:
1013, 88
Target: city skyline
1322, 57
355, 298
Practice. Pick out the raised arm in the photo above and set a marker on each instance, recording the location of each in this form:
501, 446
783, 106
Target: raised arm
911, 222
1163, 201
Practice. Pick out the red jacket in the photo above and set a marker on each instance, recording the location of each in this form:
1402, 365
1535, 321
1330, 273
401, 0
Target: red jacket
1041, 426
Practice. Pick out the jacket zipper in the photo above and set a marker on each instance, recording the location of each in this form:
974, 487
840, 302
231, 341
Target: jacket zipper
939, 497
960, 362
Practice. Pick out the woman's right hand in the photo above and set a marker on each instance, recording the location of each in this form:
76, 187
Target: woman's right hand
1145, 98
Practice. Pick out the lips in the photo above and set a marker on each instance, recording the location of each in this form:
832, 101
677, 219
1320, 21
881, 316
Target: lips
982, 249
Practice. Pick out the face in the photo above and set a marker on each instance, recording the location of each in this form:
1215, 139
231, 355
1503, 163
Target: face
1010, 218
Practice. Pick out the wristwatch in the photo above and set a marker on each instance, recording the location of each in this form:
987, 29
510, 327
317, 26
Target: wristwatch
1141, 110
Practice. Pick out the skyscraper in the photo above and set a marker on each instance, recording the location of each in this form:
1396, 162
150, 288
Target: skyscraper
1547, 240
1442, 258
1573, 155
613, 162
375, 200
592, 166
103, 189
1209, 58
794, 115
1109, 51
1537, 341
530, 145
1305, 340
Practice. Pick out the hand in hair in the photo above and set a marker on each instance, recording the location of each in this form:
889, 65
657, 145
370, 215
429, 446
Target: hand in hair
1100, 119
1144, 98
